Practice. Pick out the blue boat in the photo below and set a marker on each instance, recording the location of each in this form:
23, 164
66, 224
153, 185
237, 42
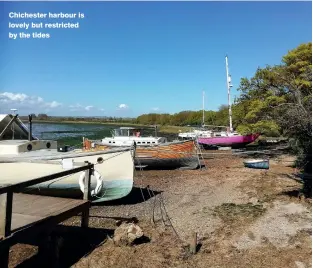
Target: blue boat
257, 163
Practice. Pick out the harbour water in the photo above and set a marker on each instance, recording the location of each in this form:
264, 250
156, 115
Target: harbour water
72, 133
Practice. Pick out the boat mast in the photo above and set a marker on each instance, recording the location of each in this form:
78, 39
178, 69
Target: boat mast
202, 108
229, 85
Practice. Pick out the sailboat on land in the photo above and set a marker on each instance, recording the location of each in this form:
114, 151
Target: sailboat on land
25, 157
222, 138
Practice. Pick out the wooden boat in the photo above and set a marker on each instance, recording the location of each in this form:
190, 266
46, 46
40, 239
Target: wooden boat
169, 155
257, 163
24, 159
181, 154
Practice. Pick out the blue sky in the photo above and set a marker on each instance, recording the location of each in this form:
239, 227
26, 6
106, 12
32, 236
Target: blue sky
129, 58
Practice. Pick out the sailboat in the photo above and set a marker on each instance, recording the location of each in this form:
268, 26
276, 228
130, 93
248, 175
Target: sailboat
208, 138
229, 137
197, 132
24, 157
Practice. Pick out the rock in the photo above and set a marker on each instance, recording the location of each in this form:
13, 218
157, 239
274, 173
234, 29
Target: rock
126, 234
300, 264
254, 200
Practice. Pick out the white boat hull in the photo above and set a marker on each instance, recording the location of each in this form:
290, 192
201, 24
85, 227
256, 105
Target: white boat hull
116, 183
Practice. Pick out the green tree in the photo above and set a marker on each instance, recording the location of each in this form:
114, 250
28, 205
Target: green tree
278, 99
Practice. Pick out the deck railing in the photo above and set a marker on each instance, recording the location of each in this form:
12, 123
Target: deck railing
6, 195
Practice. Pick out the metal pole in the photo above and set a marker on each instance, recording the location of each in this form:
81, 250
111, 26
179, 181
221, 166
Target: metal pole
202, 108
228, 91
13, 110
30, 135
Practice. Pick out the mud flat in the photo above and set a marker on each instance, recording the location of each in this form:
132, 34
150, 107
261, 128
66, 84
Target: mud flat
243, 218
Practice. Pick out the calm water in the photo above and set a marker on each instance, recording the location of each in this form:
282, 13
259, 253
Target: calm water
72, 134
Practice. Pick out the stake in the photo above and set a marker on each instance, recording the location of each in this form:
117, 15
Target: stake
193, 244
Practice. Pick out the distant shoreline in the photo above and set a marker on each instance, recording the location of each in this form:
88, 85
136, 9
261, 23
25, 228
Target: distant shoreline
163, 129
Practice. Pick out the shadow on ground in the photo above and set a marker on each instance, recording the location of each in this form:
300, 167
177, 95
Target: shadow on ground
305, 188
136, 196
74, 244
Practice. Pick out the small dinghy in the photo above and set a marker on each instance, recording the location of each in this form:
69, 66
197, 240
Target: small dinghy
257, 163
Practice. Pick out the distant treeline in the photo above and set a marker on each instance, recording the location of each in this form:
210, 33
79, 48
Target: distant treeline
45, 117
184, 118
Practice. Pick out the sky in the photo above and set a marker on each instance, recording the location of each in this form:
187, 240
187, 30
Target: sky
131, 58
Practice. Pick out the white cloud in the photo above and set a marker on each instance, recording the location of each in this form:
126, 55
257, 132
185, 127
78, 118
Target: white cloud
123, 106
35, 104
54, 104
23, 101
78, 107
155, 109
88, 108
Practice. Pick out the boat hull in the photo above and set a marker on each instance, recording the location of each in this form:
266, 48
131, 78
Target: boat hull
231, 141
257, 164
169, 155
116, 182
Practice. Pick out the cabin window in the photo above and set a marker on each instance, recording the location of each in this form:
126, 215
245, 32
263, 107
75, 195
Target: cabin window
139, 142
153, 142
148, 141
109, 141
29, 147
48, 145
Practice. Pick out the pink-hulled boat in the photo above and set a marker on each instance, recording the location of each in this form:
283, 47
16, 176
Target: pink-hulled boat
231, 140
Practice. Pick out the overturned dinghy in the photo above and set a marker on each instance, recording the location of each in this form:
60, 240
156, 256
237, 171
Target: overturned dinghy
257, 163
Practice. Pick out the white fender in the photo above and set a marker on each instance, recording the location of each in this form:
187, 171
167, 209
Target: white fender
98, 186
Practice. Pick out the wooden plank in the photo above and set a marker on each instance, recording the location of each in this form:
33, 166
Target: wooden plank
28, 224
24, 184
85, 213
43, 206
87, 182
5, 214
5, 225
21, 220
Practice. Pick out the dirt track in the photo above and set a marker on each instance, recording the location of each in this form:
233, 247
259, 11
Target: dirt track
243, 217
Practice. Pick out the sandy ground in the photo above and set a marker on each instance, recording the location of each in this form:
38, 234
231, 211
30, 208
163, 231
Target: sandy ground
243, 218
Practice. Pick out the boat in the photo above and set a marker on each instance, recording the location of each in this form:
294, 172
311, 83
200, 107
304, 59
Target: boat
257, 163
28, 157
179, 154
198, 131
127, 136
235, 141
228, 138
169, 155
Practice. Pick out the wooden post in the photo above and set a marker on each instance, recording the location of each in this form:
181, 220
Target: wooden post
85, 214
5, 224
193, 244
